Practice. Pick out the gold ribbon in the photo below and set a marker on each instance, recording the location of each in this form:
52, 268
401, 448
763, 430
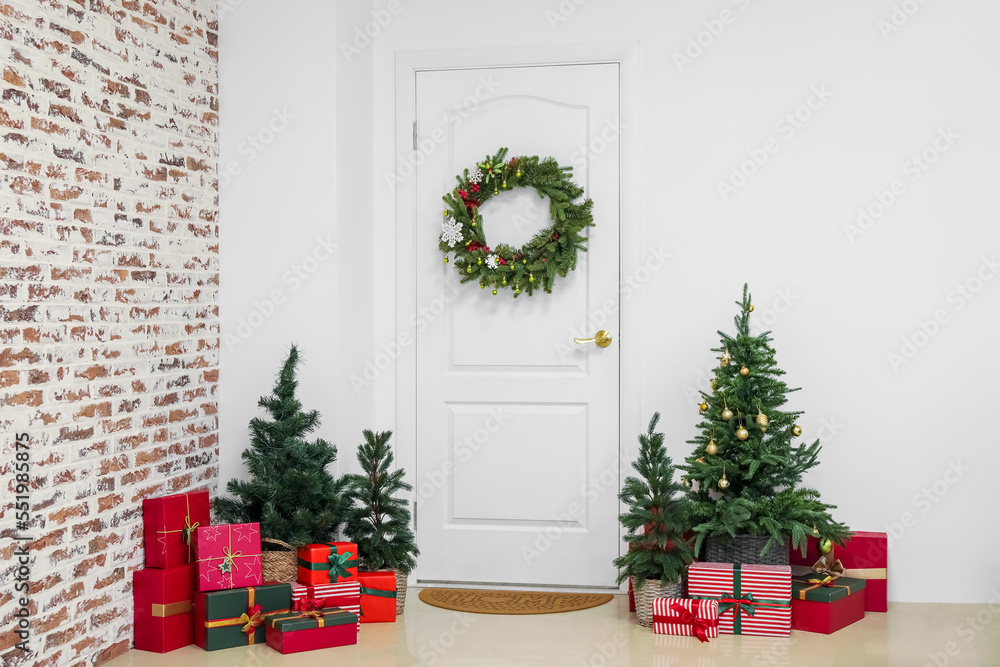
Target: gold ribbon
172, 608
866, 573
188, 527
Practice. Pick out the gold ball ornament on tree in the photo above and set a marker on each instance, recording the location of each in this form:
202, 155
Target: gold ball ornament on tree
742, 433
796, 430
711, 448
727, 414
494, 292
686, 481
723, 483
703, 406
744, 371
713, 384
750, 308
825, 546
762, 420
815, 530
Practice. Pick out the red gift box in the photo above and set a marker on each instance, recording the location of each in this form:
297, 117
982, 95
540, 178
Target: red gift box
346, 595
228, 556
163, 608
865, 556
378, 596
753, 599
167, 524
827, 617
328, 563
295, 632
687, 618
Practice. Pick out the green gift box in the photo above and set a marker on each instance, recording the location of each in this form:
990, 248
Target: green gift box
292, 621
822, 588
237, 616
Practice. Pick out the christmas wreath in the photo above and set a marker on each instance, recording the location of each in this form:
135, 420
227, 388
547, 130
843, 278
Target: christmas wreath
550, 253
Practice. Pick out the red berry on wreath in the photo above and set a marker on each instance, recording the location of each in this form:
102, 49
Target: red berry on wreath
555, 236
543, 259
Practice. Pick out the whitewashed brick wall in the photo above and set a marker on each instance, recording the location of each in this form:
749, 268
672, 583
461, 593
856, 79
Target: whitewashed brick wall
109, 329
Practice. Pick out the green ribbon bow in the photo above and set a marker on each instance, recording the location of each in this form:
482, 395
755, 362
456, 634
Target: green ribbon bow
339, 564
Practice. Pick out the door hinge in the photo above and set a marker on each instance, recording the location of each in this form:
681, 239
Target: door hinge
414, 147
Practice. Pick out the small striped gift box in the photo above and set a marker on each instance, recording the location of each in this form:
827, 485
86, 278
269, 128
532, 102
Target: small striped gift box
689, 618
753, 599
346, 595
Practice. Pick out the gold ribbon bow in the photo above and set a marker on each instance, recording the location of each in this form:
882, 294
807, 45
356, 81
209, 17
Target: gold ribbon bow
252, 620
228, 564
828, 569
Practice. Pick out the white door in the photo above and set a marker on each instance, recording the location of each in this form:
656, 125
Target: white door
517, 426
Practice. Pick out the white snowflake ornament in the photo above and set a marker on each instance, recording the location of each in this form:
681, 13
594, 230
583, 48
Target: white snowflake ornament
476, 176
491, 262
451, 232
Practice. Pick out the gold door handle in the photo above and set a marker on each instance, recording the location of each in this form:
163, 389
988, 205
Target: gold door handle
602, 338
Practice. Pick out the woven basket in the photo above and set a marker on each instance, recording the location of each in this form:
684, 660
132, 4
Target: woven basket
280, 565
651, 589
400, 591
745, 549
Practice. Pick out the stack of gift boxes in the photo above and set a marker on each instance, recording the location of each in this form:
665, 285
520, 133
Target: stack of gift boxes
819, 592
203, 585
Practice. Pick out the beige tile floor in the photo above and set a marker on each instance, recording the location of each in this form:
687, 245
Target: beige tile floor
909, 635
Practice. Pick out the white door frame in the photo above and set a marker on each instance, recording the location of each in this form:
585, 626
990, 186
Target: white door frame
402, 306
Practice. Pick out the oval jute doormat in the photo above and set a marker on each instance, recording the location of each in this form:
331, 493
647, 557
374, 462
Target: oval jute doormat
510, 602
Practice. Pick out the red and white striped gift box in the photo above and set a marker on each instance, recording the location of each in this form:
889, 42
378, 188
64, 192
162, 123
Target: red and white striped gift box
753, 599
674, 616
345, 594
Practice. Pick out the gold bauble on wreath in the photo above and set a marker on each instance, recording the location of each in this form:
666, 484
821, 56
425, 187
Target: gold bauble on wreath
796, 430
742, 433
712, 448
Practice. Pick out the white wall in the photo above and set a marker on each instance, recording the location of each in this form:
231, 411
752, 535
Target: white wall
277, 219
838, 306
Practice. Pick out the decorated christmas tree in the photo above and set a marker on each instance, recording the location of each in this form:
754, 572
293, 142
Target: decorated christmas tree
745, 470
657, 516
378, 522
290, 493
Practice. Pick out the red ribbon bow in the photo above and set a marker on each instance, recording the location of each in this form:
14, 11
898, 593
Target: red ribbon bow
253, 618
310, 604
476, 245
700, 625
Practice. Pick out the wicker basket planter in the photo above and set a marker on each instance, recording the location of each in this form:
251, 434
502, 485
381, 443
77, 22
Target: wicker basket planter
745, 549
400, 591
651, 589
281, 565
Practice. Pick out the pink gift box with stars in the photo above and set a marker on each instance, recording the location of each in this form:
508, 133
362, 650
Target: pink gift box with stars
228, 556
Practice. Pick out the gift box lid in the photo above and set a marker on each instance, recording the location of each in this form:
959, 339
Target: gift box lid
232, 602
292, 621
822, 588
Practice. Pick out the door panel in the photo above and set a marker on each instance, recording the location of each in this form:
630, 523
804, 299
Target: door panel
518, 423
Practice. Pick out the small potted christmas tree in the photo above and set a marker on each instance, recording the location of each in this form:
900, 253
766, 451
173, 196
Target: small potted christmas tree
746, 471
289, 493
378, 522
656, 520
